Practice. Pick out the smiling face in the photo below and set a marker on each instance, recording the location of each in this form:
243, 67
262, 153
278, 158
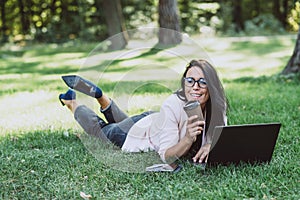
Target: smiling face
195, 92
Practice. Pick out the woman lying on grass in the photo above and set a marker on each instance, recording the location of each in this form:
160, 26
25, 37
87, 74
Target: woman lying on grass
169, 132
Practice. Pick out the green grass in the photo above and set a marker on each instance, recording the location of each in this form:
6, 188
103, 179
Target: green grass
45, 155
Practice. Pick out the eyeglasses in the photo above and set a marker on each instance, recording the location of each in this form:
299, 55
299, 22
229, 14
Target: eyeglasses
190, 82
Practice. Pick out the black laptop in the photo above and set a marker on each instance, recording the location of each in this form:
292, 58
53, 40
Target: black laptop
253, 143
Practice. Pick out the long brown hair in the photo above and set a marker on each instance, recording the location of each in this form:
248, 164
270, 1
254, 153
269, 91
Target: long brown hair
217, 104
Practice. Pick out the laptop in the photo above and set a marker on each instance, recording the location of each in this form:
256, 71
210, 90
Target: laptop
235, 144
251, 143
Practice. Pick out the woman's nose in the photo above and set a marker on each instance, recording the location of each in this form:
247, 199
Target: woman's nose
196, 86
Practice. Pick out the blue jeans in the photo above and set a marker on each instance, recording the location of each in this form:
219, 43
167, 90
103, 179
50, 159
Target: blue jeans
114, 130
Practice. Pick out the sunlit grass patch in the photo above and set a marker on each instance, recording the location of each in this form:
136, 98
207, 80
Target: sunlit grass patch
250, 56
39, 110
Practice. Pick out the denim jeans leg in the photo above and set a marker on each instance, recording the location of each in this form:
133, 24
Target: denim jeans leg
113, 113
117, 132
90, 122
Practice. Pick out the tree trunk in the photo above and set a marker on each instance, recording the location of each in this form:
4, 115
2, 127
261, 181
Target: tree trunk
169, 32
24, 18
257, 8
185, 9
285, 13
4, 28
52, 7
237, 15
278, 14
112, 11
293, 65
81, 17
276, 9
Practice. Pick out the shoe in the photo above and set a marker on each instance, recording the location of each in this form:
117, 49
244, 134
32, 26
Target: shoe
77, 83
69, 95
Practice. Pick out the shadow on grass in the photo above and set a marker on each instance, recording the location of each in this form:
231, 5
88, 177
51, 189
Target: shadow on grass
114, 65
278, 78
141, 87
18, 53
14, 67
265, 46
53, 49
58, 146
39, 139
113, 157
19, 68
35, 68
56, 84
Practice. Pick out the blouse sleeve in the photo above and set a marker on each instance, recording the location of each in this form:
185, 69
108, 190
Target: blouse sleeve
169, 120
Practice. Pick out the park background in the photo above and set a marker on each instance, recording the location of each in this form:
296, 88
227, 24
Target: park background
251, 43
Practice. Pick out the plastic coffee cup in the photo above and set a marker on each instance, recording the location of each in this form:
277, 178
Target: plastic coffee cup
193, 108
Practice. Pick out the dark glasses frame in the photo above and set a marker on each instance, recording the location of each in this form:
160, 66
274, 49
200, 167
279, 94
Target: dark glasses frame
190, 82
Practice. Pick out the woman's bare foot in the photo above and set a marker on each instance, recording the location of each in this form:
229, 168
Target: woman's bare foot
71, 104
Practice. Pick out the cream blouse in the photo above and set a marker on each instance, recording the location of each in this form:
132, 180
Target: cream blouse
159, 131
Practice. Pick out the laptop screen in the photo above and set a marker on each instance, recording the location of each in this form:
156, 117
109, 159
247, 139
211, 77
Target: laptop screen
253, 143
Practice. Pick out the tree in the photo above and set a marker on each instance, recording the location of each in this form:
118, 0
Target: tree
169, 32
25, 24
112, 11
4, 28
276, 9
237, 15
285, 13
293, 65
280, 11
185, 11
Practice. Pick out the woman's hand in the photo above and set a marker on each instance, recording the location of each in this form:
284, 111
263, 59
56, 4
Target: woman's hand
202, 154
193, 128
182, 147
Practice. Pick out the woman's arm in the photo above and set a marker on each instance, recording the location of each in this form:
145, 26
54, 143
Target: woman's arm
203, 152
182, 147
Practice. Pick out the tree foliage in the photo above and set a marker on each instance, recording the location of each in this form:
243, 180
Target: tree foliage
62, 20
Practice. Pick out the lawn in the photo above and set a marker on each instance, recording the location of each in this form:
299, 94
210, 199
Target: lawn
45, 154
